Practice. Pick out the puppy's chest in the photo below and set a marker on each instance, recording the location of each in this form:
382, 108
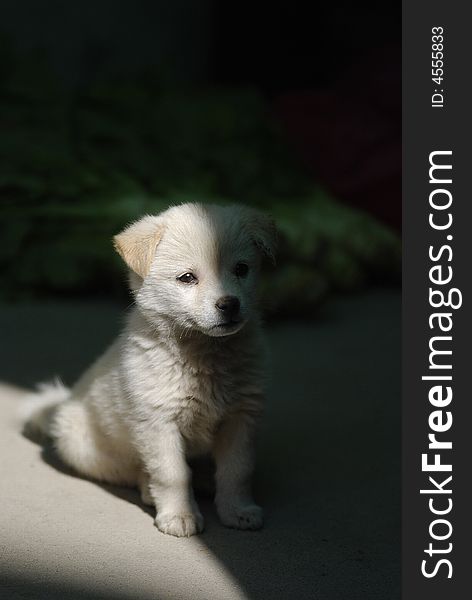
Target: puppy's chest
196, 390
206, 395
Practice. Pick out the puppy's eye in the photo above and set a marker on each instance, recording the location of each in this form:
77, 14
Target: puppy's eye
241, 269
187, 278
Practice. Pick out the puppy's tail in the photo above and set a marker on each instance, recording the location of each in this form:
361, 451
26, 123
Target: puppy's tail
38, 408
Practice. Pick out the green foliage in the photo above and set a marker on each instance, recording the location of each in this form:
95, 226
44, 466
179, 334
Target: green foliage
75, 167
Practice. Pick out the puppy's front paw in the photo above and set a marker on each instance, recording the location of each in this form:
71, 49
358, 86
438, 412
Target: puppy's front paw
241, 516
180, 525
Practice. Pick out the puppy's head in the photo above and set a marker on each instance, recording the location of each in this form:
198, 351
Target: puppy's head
196, 266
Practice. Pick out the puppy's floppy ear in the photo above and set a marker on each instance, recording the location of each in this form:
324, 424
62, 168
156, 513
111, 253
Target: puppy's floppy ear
138, 242
263, 231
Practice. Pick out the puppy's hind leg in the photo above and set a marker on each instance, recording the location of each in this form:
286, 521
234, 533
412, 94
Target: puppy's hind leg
81, 445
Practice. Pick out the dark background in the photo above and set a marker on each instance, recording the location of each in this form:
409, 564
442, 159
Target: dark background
109, 110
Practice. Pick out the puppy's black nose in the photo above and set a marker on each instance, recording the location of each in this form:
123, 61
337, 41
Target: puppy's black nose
228, 305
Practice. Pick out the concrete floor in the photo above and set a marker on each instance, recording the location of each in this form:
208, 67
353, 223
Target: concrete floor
328, 473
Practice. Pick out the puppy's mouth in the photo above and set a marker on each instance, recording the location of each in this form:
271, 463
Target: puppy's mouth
229, 324
228, 327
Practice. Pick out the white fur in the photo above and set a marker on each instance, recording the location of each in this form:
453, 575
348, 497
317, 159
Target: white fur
177, 382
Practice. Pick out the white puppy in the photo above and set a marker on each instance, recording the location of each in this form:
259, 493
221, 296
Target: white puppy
185, 377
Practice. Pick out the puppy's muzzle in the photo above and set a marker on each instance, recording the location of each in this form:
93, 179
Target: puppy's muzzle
229, 307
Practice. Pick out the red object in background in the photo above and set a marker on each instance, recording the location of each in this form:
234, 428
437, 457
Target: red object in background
349, 136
